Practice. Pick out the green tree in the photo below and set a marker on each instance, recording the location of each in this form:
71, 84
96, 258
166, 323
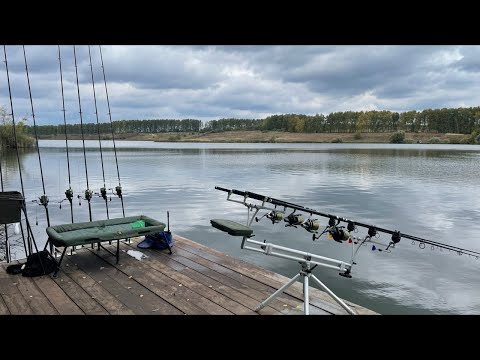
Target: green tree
7, 135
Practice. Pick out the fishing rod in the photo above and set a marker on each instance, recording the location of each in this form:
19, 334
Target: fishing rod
69, 191
88, 193
339, 233
30, 237
42, 200
118, 189
103, 190
309, 261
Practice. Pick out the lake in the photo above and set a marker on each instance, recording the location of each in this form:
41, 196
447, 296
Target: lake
430, 191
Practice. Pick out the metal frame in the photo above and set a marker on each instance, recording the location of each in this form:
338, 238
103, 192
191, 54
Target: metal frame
59, 263
304, 258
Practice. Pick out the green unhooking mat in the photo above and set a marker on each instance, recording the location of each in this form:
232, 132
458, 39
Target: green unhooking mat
103, 230
231, 227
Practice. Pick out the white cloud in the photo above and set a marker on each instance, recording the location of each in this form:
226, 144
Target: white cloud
211, 82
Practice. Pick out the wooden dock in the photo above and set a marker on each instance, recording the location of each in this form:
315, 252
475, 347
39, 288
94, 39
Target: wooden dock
194, 280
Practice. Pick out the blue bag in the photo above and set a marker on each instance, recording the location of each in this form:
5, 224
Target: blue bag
161, 241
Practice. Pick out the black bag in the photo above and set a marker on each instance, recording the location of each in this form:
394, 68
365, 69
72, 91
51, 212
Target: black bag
39, 264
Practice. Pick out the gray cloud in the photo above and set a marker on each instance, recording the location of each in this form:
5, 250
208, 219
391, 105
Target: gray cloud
211, 82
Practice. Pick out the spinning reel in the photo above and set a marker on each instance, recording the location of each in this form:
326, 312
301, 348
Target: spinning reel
103, 194
69, 196
294, 220
274, 216
311, 225
88, 196
118, 191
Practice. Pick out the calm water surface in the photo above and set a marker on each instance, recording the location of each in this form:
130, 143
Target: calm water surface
429, 191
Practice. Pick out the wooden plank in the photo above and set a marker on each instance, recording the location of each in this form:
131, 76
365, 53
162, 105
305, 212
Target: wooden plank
172, 294
82, 299
34, 297
200, 301
3, 307
253, 294
253, 269
205, 291
14, 300
232, 288
57, 296
230, 292
135, 296
95, 290
238, 281
317, 297
264, 276
239, 290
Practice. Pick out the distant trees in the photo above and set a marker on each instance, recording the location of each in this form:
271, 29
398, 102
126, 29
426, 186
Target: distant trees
454, 120
121, 127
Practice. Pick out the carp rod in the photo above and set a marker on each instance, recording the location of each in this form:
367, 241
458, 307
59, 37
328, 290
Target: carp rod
118, 189
103, 190
69, 191
30, 237
42, 200
88, 192
336, 231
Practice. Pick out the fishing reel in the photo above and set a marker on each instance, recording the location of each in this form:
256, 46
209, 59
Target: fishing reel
294, 220
338, 233
69, 196
103, 194
311, 225
274, 216
118, 191
88, 196
42, 200
396, 236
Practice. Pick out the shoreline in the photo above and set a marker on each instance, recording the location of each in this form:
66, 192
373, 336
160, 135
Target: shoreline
273, 137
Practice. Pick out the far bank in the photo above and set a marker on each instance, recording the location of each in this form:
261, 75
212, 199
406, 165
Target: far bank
274, 137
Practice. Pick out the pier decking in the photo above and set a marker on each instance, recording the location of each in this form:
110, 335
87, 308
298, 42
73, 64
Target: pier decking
195, 279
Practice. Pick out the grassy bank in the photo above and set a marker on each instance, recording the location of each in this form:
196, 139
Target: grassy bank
276, 137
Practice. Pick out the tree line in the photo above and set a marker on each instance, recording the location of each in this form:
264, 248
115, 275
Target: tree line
460, 120
453, 120
120, 127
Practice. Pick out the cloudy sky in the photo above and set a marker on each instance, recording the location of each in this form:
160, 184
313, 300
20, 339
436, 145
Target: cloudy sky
212, 82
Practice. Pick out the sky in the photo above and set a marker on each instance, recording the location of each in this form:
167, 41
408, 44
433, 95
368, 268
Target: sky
214, 82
